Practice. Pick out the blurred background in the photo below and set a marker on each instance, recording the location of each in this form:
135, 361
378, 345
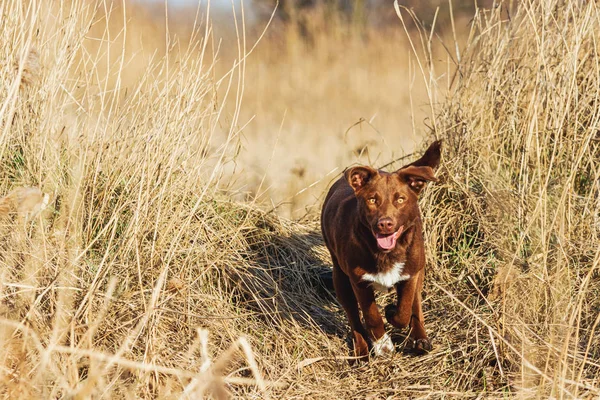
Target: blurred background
327, 83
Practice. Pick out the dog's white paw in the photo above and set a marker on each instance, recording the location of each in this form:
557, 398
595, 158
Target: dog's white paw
383, 346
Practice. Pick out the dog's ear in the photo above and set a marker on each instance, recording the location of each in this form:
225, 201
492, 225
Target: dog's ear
416, 177
358, 177
431, 158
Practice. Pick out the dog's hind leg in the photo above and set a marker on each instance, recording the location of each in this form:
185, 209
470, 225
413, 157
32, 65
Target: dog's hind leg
346, 297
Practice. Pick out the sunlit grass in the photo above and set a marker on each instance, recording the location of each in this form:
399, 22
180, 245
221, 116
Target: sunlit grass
147, 176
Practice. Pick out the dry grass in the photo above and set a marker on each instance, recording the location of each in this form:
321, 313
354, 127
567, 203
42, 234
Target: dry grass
516, 224
143, 278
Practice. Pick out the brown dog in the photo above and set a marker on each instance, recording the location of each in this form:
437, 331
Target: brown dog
372, 227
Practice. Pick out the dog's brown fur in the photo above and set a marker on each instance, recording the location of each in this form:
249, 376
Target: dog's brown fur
363, 211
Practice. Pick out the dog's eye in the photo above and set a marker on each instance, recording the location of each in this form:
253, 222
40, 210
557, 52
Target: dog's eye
372, 200
400, 200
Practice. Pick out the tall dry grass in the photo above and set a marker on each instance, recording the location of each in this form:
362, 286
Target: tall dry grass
143, 278
515, 227
98, 291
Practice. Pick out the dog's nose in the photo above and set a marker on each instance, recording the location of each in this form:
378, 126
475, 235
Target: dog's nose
385, 225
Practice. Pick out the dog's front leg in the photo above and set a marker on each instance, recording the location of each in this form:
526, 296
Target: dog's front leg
399, 315
417, 322
382, 343
408, 311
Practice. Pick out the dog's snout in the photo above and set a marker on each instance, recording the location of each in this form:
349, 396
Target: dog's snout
385, 225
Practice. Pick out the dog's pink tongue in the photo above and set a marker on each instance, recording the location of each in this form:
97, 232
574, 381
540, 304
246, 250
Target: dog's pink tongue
386, 242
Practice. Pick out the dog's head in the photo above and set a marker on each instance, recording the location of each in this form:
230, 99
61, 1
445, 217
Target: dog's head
387, 202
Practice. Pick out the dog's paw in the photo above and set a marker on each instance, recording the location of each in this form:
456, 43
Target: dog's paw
383, 346
422, 346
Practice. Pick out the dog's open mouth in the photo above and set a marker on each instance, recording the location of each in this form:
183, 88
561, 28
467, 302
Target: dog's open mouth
387, 242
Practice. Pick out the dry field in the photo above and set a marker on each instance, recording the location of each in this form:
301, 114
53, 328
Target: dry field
158, 234
314, 106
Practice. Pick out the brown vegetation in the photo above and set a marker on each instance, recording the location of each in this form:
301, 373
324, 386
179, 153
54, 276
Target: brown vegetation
144, 278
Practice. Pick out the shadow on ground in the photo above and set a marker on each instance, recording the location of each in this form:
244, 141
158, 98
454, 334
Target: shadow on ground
288, 276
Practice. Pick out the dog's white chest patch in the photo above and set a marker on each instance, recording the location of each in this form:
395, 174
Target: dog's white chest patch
385, 280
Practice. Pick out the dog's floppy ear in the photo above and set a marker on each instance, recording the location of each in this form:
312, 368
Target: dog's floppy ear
431, 158
416, 177
358, 177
